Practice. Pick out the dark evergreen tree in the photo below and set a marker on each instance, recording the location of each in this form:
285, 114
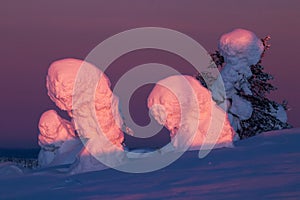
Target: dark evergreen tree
263, 117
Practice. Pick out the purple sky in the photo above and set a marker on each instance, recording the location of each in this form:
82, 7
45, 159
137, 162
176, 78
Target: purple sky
35, 33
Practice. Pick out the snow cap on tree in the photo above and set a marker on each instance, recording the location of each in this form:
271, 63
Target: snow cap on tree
241, 45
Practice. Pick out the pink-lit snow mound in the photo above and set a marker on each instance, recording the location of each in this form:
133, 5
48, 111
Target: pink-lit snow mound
57, 139
61, 79
68, 81
171, 104
60, 82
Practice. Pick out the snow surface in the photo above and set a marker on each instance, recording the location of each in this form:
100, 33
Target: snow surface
172, 104
266, 166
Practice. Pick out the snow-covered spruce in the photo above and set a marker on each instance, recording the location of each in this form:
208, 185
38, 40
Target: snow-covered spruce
267, 114
246, 85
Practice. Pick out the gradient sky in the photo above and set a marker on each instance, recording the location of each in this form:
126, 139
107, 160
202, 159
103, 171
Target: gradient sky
35, 33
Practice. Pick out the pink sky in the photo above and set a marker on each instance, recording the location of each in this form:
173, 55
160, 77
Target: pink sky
35, 33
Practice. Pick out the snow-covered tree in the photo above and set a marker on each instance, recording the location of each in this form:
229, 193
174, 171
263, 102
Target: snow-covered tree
246, 85
267, 114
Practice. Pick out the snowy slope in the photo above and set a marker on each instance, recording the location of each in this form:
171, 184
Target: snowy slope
263, 167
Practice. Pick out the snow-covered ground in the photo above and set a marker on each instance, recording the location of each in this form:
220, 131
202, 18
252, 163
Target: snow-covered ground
266, 166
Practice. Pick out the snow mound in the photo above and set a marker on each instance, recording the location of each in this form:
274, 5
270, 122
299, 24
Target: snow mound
83, 90
9, 169
60, 82
171, 103
57, 139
